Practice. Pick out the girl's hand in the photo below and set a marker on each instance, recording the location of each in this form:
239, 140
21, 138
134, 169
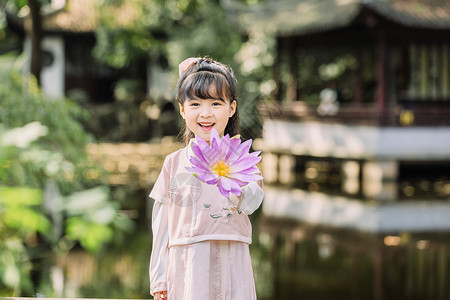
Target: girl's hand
160, 295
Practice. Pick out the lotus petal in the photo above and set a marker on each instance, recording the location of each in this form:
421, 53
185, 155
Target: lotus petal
225, 162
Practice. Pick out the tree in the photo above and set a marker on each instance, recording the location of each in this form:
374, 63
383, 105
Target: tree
36, 37
173, 29
36, 29
50, 193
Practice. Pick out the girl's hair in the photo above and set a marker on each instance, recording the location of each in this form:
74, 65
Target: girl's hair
208, 79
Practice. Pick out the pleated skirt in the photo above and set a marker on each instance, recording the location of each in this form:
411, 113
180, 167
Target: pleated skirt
210, 270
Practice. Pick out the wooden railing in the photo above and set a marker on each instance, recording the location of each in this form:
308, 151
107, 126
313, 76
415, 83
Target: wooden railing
423, 113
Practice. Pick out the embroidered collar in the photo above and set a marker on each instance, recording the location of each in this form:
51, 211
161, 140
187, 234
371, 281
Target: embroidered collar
189, 151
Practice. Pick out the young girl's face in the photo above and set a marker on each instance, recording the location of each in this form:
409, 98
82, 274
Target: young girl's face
202, 115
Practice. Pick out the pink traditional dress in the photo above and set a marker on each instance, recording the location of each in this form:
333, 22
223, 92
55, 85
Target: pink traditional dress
200, 238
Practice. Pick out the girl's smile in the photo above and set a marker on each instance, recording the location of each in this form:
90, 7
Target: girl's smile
206, 126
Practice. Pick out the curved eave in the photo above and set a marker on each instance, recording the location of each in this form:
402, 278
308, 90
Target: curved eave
298, 18
288, 18
426, 15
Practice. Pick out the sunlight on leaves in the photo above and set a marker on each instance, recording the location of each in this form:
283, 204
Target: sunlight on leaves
85, 201
18, 209
22, 137
91, 235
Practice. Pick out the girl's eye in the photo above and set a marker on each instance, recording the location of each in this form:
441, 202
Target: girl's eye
217, 103
195, 104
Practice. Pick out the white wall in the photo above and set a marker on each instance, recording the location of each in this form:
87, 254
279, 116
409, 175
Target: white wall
342, 212
158, 82
52, 76
360, 142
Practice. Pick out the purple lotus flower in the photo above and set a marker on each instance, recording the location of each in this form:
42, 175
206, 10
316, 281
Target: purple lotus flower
225, 162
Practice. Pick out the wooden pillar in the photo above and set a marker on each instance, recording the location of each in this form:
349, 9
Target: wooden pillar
379, 179
275, 263
378, 269
291, 89
442, 270
357, 79
351, 173
289, 245
356, 273
381, 77
286, 164
270, 167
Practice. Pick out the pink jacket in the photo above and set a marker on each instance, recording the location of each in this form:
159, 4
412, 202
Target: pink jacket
187, 211
196, 210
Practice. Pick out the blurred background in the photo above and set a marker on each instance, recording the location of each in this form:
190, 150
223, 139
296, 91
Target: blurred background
348, 100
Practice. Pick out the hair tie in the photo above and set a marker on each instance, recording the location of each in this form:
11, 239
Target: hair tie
186, 64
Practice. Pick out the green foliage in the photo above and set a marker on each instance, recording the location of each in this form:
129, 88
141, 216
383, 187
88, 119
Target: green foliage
255, 59
92, 217
204, 31
129, 30
46, 180
8, 40
15, 5
21, 218
60, 153
23, 103
134, 31
19, 209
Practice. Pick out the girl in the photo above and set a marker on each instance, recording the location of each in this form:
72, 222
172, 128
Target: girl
198, 251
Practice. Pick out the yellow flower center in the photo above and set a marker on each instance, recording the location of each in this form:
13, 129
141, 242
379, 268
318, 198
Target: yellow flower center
221, 168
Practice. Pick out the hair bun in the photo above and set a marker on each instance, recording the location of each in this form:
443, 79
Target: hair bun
187, 63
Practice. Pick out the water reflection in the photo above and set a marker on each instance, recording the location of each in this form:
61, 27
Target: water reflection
291, 260
117, 272
313, 262
336, 252
363, 180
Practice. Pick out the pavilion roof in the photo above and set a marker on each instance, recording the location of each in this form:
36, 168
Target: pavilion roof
299, 17
77, 16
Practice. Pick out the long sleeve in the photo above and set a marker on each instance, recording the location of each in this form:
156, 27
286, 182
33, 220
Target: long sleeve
160, 250
250, 199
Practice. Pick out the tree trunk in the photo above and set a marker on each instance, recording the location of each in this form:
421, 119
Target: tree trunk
36, 36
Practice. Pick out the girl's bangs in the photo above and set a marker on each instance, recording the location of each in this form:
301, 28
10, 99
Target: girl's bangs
206, 85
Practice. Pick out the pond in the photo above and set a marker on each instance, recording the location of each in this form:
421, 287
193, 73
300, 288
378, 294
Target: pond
313, 262
291, 260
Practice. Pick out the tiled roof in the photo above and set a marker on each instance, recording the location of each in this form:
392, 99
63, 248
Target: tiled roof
287, 17
433, 14
82, 16
79, 16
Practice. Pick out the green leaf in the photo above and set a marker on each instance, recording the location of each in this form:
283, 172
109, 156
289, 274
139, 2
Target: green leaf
86, 201
19, 196
90, 235
11, 276
26, 220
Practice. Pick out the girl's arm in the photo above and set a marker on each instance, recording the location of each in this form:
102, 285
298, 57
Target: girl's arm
160, 250
250, 199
